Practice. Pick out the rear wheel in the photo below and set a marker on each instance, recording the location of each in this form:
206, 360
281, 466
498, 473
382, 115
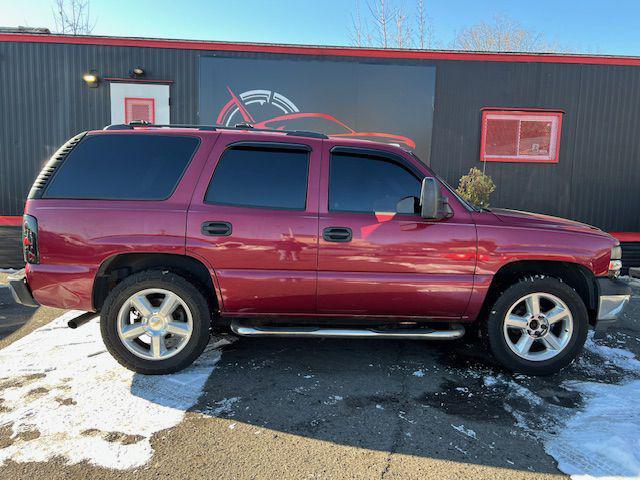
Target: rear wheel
155, 322
537, 326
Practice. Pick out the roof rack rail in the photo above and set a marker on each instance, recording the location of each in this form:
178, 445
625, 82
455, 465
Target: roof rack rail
213, 128
132, 125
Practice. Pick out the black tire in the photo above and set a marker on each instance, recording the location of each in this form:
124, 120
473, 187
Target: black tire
512, 294
194, 299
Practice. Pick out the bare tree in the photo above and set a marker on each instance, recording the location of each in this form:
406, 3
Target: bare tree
382, 18
389, 24
502, 34
355, 32
425, 27
404, 32
73, 17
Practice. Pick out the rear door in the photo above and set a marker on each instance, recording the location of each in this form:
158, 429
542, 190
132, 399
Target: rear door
374, 260
254, 220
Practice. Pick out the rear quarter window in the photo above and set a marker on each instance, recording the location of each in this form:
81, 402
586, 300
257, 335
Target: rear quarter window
123, 167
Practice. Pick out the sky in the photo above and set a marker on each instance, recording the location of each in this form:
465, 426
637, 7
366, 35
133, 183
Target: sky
585, 26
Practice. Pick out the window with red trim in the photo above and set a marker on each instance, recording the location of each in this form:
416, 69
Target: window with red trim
520, 136
136, 109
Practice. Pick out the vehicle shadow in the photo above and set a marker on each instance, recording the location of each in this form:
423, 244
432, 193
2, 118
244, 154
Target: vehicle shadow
430, 400
12, 315
407, 397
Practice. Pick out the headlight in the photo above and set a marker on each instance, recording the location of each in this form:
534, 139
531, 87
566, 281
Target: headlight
615, 263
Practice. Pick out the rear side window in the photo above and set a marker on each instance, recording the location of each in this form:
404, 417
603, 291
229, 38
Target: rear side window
263, 178
123, 167
365, 184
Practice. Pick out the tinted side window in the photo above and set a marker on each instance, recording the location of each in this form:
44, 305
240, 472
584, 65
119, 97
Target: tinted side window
266, 178
123, 167
368, 184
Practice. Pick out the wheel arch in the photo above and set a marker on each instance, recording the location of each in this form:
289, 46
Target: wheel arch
118, 267
577, 276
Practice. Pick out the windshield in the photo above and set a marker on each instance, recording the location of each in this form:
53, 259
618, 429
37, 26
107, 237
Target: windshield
468, 205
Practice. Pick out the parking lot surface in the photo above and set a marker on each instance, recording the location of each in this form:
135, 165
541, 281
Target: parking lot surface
312, 408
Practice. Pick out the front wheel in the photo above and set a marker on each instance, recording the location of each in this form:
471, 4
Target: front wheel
537, 326
155, 322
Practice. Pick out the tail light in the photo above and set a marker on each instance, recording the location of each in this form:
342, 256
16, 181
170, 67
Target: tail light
615, 262
30, 239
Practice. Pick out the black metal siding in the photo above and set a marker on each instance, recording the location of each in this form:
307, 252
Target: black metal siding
43, 102
598, 174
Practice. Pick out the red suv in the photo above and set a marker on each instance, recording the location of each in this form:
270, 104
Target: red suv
170, 232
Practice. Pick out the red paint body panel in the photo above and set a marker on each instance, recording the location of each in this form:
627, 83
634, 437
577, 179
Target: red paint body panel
76, 236
506, 236
268, 264
396, 264
276, 263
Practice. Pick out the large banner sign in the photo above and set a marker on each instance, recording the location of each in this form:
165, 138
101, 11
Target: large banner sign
389, 103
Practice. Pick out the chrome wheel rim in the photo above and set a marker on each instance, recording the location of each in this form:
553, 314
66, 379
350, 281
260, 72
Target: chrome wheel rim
538, 326
155, 324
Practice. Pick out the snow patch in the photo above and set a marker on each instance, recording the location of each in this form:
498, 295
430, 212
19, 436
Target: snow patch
602, 440
489, 381
223, 406
333, 400
63, 395
635, 282
466, 431
621, 358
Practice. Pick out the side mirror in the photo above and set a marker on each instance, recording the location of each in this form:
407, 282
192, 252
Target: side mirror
432, 204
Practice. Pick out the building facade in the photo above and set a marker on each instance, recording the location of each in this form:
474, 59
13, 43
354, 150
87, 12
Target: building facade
556, 132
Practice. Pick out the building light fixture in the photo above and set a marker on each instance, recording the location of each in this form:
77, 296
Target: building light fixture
137, 72
91, 78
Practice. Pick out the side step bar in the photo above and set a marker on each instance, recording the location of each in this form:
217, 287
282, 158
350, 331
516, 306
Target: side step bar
455, 332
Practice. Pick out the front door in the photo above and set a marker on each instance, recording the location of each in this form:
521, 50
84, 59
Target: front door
373, 260
254, 220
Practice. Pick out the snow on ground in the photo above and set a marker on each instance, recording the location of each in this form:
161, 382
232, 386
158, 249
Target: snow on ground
631, 280
62, 394
601, 438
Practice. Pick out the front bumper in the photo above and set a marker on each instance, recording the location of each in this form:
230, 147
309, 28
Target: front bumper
20, 290
614, 294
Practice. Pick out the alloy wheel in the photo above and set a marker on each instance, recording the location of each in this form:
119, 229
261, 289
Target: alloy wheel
538, 326
154, 324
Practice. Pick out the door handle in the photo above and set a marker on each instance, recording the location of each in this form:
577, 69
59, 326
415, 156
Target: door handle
216, 229
337, 234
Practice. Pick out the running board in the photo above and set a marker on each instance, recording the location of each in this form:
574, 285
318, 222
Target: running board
454, 332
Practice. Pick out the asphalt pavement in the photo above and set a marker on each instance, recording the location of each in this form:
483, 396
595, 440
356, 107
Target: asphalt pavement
332, 408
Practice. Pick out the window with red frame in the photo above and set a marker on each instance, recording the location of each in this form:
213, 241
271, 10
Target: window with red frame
520, 136
139, 109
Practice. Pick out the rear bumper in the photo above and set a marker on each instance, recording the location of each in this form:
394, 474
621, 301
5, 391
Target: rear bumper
20, 290
614, 296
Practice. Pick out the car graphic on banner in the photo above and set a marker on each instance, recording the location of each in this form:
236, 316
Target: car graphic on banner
282, 114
